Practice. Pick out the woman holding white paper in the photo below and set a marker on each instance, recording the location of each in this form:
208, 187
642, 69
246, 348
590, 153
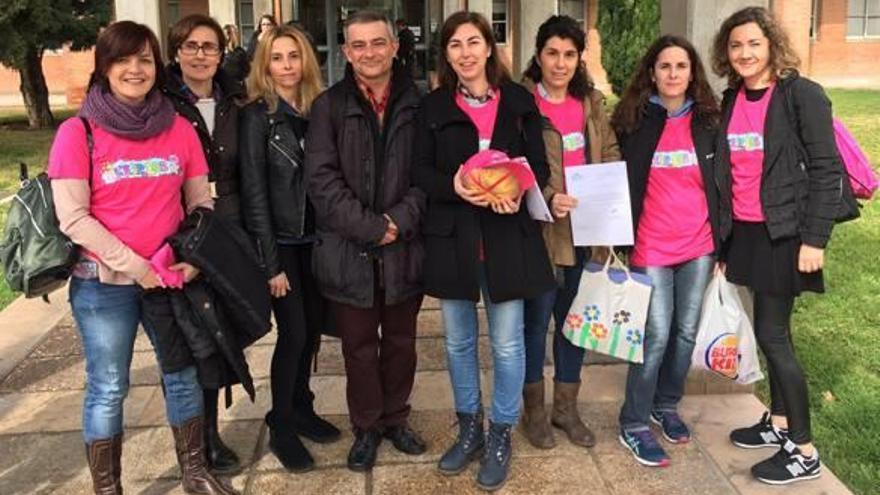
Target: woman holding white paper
666, 124
579, 133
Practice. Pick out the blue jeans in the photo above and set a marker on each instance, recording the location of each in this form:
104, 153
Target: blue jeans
107, 317
567, 357
670, 333
508, 354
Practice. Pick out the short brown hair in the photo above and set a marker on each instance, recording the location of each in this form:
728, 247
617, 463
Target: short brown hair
784, 61
496, 71
181, 30
368, 17
123, 39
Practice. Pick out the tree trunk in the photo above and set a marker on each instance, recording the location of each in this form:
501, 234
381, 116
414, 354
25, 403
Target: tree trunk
34, 90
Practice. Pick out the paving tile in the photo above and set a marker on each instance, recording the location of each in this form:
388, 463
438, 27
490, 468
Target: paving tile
689, 473
323, 481
59, 411
46, 375
63, 340
41, 462
718, 414
552, 475
327, 455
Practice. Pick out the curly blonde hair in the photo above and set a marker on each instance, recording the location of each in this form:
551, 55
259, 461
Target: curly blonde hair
259, 82
784, 61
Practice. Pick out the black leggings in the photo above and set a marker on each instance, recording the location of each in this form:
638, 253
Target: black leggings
788, 386
299, 319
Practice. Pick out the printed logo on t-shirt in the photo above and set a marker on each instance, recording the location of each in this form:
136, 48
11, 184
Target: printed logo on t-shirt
484, 144
674, 159
573, 141
140, 169
748, 141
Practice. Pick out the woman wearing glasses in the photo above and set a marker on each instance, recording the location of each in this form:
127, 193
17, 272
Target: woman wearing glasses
204, 95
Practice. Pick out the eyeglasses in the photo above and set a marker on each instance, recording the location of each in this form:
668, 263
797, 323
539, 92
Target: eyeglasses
192, 48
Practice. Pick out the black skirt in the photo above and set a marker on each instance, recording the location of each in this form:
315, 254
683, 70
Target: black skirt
767, 266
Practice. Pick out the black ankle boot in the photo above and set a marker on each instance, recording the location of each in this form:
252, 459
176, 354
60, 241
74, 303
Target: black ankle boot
314, 427
467, 446
495, 463
287, 447
221, 459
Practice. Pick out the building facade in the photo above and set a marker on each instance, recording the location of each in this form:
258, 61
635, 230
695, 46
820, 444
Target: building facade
838, 40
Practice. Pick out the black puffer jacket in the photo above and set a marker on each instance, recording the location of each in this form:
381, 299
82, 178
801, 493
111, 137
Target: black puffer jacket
803, 187
215, 317
355, 175
638, 150
221, 146
274, 203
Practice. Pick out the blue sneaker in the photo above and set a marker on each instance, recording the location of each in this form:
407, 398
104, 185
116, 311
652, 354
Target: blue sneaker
673, 428
644, 447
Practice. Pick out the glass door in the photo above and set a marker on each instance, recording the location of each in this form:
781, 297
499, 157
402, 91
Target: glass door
324, 21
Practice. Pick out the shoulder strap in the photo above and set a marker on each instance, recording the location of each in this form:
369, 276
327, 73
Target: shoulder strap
90, 142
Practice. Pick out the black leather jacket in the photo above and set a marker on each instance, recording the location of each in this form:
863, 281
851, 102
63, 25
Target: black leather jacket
273, 192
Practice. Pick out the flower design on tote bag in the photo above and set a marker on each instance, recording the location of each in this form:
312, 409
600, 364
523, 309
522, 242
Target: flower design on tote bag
634, 336
598, 331
621, 317
574, 321
592, 313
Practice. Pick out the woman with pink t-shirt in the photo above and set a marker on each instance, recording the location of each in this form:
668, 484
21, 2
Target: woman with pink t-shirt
118, 199
666, 123
579, 133
782, 187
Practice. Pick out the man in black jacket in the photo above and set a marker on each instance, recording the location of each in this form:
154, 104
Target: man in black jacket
369, 255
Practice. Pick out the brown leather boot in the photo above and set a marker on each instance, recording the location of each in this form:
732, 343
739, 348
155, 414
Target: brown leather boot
534, 417
190, 447
565, 414
105, 458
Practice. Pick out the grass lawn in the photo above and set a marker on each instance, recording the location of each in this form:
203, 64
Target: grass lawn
836, 334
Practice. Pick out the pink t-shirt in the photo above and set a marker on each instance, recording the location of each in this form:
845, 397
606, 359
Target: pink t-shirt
745, 135
482, 115
674, 225
568, 118
136, 185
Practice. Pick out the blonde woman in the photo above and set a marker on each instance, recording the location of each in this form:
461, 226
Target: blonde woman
283, 82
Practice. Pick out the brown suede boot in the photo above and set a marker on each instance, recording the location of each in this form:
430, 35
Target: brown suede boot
190, 447
534, 422
565, 414
105, 458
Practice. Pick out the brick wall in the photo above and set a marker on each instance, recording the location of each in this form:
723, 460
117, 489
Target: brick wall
67, 74
836, 61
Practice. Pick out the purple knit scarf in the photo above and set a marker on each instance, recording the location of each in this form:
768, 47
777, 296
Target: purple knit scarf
142, 121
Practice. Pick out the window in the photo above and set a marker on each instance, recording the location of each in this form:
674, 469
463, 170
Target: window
814, 20
245, 21
173, 12
572, 8
863, 19
499, 21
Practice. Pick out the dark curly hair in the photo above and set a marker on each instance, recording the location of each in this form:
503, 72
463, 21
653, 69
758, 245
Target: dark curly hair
629, 112
564, 27
784, 61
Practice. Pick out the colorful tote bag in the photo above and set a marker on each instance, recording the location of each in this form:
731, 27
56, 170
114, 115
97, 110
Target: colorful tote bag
609, 312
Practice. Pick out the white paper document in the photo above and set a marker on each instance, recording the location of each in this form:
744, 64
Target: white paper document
603, 216
538, 208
